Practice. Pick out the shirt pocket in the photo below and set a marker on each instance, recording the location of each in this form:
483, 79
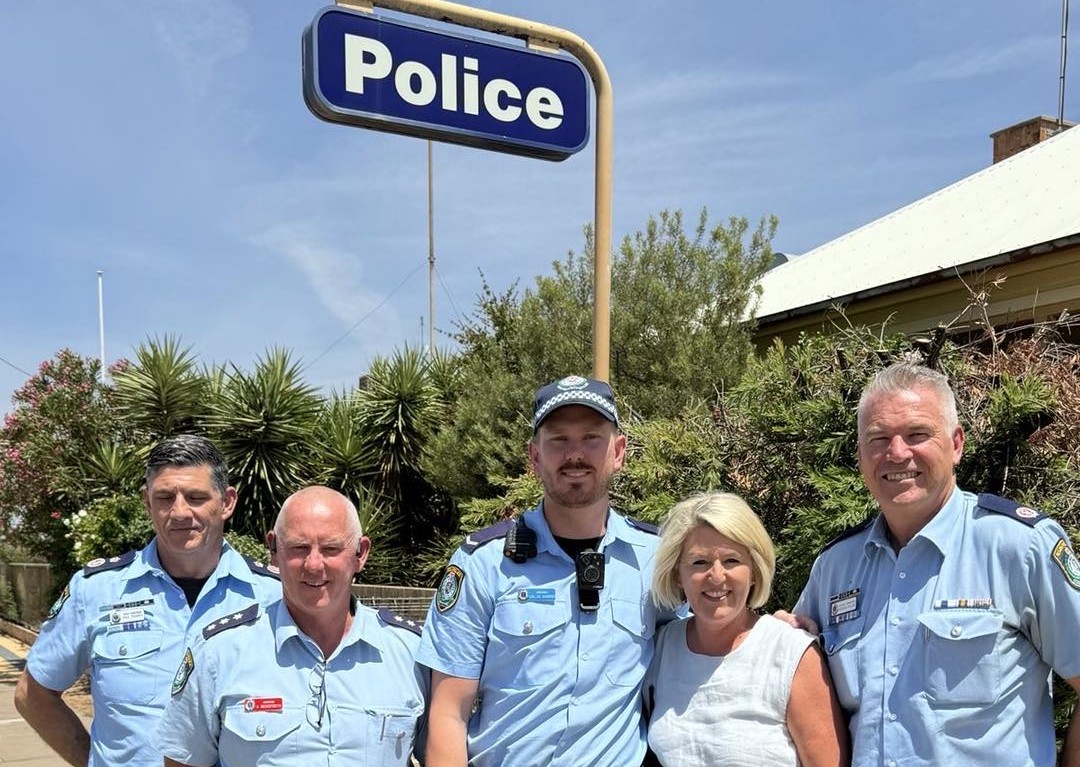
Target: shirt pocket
962, 663
530, 640
264, 738
390, 735
126, 666
633, 627
841, 644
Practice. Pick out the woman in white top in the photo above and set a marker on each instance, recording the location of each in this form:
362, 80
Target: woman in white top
729, 687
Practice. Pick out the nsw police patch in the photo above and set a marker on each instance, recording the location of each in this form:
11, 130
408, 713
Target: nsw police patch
55, 609
449, 588
1064, 557
187, 665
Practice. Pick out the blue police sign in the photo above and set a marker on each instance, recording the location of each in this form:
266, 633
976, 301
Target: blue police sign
361, 69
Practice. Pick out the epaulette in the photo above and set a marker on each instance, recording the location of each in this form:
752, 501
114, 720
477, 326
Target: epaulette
1010, 509
270, 571
475, 540
100, 565
645, 527
853, 530
248, 615
390, 618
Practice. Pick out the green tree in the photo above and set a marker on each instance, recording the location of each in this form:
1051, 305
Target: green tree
678, 336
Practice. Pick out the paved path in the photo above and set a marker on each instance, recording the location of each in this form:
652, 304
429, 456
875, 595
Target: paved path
19, 745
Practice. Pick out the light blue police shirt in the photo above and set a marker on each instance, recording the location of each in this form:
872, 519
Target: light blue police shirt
126, 621
557, 686
941, 654
263, 693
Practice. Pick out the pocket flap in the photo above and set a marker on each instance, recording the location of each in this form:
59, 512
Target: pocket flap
636, 617
125, 645
529, 618
957, 626
262, 726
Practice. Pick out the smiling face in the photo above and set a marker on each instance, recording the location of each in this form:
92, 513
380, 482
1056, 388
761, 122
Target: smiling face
318, 552
907, 456
716, 574
188, 514
576, 452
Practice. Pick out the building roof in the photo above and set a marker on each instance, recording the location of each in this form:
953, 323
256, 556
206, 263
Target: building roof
1027, 200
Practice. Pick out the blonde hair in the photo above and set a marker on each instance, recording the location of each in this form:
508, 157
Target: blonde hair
727, 514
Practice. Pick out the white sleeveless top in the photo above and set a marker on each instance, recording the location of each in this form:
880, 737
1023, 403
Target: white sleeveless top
724, 710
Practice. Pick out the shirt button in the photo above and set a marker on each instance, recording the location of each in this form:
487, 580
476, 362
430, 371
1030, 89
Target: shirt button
902, 575
527, 628
573, 701
122, 650
956, 631
891, 763
260, 730
892, 718
896, 621
894, 670
644, 628
584, 656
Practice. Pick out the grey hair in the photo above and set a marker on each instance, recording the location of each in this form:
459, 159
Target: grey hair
907, 376
183, 450
352, 519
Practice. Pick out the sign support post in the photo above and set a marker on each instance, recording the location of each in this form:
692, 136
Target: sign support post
542, 35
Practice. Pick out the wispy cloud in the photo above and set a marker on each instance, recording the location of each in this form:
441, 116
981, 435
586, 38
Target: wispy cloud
975, 62
696, 87
197, 35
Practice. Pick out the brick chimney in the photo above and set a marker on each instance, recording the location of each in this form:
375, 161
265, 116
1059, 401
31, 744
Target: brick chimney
1017, 138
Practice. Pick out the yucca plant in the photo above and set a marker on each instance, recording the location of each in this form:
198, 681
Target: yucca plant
263, 422
162, 392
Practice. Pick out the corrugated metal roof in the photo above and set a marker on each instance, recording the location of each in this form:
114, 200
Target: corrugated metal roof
1031, 198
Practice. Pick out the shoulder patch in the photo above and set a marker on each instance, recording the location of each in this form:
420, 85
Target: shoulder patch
247, 615
1065, 559
59, 603
101, 564
183, 673
390, 618
269, 570
854, 530
1011, 509
475, 540
645, 527
449, 590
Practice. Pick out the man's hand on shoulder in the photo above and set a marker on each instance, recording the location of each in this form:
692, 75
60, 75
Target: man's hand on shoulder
804, 622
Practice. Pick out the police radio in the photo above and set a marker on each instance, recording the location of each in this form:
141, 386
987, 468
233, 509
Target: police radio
520, 543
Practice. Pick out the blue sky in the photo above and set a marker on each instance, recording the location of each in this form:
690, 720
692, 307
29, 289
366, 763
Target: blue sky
168, 144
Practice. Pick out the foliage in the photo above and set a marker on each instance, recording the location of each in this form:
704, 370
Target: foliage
677, 337
162, 393
108, 527
249, 546
9, 607
59, 415
261, 421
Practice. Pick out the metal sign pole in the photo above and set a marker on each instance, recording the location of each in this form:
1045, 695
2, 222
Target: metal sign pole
542, 35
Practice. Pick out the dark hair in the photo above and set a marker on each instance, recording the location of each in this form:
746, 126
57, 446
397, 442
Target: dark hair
188, 450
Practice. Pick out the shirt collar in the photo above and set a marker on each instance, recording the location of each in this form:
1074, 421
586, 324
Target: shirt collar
231, 564
941, 531
616, 529
364, 627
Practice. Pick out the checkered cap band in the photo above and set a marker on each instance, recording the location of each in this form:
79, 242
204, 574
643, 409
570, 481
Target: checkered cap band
577, 397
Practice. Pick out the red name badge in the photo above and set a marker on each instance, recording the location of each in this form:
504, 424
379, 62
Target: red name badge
264, 704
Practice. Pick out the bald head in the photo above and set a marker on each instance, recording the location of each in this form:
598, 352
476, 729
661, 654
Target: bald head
317, 496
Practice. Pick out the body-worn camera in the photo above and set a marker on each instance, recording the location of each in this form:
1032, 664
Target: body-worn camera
590, 579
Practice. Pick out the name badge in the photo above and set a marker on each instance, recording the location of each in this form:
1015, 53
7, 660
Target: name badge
542, 596
844, 606
264, 704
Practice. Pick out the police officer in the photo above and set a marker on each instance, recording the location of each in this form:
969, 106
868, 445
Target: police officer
541, 630
127, 619
316, 675
943, 615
